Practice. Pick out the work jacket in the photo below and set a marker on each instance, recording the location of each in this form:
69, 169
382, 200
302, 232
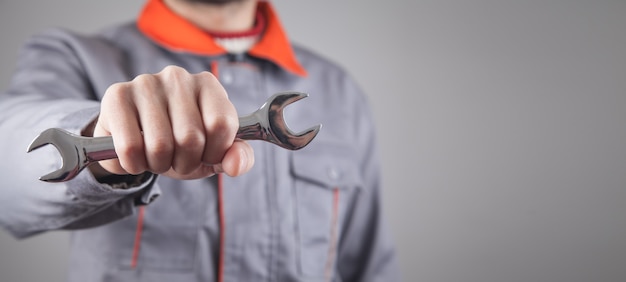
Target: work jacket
309, 215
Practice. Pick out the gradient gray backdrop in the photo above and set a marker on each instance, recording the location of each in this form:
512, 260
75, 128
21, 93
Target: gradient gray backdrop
502, 125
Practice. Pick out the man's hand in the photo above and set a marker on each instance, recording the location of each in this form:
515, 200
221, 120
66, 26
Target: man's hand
174, 123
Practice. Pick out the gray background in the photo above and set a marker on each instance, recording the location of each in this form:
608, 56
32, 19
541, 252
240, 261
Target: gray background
502, 125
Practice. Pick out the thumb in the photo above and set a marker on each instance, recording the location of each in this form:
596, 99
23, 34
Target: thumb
239, 159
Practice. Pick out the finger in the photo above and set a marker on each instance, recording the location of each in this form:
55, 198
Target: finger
119, 119
218, 116
203, 171
187, 128
154, 118
239, 159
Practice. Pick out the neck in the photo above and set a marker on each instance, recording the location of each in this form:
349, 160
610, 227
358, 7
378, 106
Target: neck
236, 16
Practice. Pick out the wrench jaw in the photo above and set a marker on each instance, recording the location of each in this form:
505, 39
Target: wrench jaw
70, 154
60, 175
295, 141
268, 123
281, 135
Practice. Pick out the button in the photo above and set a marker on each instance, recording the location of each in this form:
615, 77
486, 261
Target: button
227, 78
334, 173
236, 57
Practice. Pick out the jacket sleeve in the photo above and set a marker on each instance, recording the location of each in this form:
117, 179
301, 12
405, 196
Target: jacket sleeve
51, 88
366, 251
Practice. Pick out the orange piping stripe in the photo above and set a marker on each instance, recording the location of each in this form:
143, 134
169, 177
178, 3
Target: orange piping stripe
137, 244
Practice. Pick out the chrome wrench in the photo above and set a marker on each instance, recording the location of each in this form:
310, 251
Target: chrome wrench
267, 124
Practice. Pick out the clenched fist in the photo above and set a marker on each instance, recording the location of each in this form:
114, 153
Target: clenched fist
174, 123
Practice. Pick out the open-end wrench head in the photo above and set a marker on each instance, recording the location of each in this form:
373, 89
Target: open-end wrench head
62, 141
270, 117
300, 140
282, 135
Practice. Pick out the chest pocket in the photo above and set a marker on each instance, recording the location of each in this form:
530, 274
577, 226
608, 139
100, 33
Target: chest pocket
321, 178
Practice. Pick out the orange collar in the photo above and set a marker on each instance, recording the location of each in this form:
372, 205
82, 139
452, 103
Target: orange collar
160, 24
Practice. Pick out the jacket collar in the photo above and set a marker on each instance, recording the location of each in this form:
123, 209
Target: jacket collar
160, 24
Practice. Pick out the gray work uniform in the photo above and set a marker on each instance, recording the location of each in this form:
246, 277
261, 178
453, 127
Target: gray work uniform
308, 215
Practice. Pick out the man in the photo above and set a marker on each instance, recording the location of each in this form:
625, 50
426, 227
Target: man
168, 89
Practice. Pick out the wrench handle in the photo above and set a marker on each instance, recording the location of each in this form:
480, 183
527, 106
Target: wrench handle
98, 148
251, 128
102, 148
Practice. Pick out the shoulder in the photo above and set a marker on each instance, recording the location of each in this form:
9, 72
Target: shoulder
316, 64
329, 75
65, 39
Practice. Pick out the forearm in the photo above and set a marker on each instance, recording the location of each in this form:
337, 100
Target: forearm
51, 88
29, 206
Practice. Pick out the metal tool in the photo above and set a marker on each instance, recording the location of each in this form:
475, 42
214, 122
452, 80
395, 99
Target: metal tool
267, 123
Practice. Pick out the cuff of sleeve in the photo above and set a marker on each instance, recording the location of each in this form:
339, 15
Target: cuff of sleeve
112, 188
87, 188
149, 195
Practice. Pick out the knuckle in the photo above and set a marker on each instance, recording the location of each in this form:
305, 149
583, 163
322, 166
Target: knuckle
128, 149
143, 78
173, 69
116, 92
160, 155
160, 148
205, 81
130, 155
189, 148
174, 72
224, 125
221, 133
191, 139
116, 88
206, 76
183, 168
176, 80
145, 81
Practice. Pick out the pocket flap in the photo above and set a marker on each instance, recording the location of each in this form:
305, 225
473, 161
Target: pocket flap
333, 167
